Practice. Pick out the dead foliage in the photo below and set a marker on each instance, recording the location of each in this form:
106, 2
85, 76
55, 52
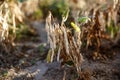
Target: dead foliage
9, 13
102, 26
63, 44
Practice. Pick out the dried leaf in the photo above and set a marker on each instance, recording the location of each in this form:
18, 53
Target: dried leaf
48, 58
66, 40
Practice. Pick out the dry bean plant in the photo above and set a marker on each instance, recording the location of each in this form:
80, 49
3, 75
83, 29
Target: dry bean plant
9, 14
63, 44
103, 26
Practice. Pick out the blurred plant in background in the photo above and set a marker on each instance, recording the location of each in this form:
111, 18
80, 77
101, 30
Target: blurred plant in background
9, 14
57, 7
34, 12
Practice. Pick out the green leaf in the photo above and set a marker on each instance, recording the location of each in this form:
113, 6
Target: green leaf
84, 19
